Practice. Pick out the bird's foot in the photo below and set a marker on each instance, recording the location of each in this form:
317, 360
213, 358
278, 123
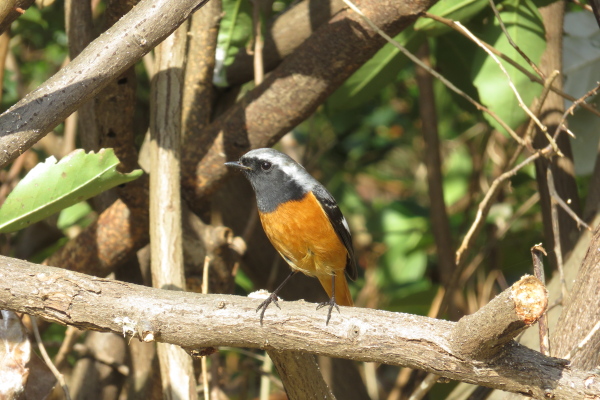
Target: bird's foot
331, 303
271, 299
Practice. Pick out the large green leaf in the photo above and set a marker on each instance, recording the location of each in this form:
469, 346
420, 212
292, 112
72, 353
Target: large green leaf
582, 72
380, 70
404, 229
457, 10
525, 26
50, 186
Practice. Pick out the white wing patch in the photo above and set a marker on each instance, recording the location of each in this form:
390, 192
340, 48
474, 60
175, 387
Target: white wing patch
345, 223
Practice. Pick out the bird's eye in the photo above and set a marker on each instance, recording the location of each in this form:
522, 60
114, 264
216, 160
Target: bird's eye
266, 166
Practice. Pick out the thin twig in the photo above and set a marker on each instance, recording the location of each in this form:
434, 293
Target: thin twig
568, 210
513, 44
583, 342
424, 387
538, 107
586, 7
265, 378
556, 233
203, 359
446, 82
258, 44
538, 270
570, 110
450, 23
485, 204
59, 377
542, 127
71, 336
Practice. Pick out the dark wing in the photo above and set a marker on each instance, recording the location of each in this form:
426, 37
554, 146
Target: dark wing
339, 225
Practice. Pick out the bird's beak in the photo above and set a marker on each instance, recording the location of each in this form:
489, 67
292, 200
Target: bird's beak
238, 165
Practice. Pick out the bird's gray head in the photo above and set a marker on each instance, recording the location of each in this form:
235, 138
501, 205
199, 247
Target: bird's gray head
275, 177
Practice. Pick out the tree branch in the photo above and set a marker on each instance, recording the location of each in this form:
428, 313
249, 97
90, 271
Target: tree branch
97, 65
194, 321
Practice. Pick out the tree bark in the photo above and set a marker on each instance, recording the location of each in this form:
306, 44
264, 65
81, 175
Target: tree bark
222, 320
581, 312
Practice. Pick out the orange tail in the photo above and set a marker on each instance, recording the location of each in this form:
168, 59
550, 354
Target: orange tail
342, 293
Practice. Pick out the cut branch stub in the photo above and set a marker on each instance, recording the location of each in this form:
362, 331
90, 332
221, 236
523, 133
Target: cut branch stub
482, 335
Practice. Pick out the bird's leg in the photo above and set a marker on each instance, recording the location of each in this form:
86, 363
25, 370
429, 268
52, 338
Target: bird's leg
273, 297
331, 303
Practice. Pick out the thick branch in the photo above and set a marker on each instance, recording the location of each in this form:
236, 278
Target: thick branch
98, 64
10, 10
194, 321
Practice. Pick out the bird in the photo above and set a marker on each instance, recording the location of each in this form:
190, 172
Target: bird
303, 222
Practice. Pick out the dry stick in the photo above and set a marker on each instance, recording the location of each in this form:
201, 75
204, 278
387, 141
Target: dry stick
71, 336
203, 359
424, 387
538, 269
577, 102
446, 82
565, 206
542, 127
450, 23
258, 44
556, 233
59, 377
538, 109
586, 7
513, 44
176, 367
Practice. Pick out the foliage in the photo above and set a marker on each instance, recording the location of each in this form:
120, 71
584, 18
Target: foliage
50, 186
365, 143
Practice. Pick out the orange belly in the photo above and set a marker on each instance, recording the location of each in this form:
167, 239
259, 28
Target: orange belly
301, 232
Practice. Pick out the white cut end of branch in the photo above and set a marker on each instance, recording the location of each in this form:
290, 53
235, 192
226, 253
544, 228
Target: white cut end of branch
261, 294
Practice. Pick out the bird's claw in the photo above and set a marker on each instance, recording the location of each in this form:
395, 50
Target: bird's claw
271, 299
331, 303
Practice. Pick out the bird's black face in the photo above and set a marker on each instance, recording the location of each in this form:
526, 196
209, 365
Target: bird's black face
274, 177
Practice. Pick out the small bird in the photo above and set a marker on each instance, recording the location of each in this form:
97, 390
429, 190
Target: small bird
303, 222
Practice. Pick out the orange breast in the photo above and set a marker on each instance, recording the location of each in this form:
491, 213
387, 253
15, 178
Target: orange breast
301, 232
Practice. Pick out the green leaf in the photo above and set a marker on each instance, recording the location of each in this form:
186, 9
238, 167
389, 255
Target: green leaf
71, 215
50, 186
525, 26
380, 70
235, 29
404, 229
456, 10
